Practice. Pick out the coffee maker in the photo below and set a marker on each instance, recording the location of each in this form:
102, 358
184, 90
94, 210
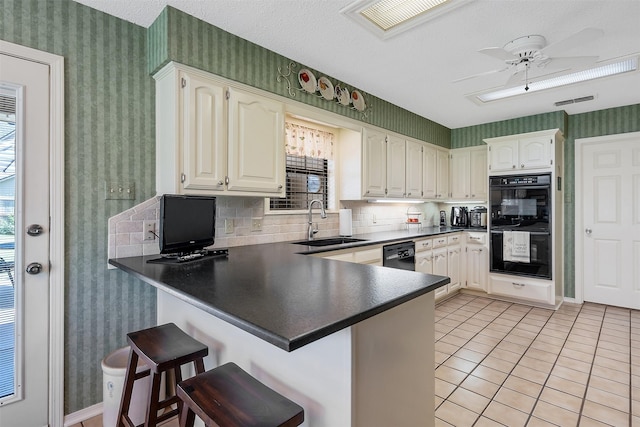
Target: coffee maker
459, 216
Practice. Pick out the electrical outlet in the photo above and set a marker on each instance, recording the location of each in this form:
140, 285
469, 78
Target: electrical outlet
228, 226
149, 230
256, 224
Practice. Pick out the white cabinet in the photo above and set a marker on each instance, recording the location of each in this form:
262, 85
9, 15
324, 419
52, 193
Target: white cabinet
374, 152
531, 151
367, 255
414, 169
440, 269
469, 179
429, 172
477, 264
523, 288
214, 138
396, 166
442, 256
442, 174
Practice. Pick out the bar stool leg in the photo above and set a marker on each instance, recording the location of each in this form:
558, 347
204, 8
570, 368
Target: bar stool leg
187, 417
154, 397
129, 379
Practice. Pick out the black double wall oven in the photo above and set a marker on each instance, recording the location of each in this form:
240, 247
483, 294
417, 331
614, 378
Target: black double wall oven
521, 203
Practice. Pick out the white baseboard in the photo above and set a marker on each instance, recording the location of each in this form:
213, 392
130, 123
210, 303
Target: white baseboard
572, 300
83, 415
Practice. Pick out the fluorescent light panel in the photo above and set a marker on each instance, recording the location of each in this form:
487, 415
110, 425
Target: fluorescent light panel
612, 69
387, 14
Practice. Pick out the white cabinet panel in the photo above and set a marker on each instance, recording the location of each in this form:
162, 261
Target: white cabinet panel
414, 170
375, 163
429, 172
442, 181
396, 166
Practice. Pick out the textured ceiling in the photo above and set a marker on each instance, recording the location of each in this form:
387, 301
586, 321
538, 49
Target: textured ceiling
415, 69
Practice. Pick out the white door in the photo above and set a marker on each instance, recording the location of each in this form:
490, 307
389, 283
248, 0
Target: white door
609, 200
24, 397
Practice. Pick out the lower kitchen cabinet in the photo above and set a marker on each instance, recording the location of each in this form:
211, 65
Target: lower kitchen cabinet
477, 263
523, 288
440, 266
369, 255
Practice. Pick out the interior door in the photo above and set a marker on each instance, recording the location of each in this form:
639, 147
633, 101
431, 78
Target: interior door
24, 315
610, 209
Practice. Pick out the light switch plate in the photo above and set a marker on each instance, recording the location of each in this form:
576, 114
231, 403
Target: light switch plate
120, 191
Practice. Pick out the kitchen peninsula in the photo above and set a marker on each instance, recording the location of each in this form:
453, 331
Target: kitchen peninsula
351, 343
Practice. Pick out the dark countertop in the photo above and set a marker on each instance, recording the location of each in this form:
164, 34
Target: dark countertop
276, 292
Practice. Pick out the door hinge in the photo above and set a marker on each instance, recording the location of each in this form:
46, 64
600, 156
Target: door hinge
551, 141
489, 167
183, 82
227, 94
551, 162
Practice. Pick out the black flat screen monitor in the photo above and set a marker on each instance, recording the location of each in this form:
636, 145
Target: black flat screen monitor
187, 223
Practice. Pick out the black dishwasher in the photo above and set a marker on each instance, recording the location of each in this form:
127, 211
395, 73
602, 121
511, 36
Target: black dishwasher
399, 255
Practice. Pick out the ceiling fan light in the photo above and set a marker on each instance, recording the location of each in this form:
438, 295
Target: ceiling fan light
624, 66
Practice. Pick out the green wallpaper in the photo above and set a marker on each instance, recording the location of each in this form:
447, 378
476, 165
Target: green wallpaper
176, 36
109, 135
586, 125
473, 135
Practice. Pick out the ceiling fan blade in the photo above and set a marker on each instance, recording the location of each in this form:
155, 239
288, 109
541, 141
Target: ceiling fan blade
570, 62
581, 37
486, 73
497, 52
514, 79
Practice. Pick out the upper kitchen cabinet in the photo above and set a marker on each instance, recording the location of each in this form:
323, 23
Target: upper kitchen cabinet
435, 172
442, 173
469, 179
214, 138
526, 152
374, 157
414, 169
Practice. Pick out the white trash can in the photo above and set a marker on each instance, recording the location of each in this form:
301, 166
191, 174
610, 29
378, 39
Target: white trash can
114, 368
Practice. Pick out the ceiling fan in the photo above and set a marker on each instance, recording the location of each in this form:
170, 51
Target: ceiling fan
524, 53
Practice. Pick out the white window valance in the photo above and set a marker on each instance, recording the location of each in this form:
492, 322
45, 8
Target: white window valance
306, 141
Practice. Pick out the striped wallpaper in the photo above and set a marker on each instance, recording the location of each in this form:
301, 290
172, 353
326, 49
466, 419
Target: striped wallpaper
109, 126
109, 135
176, 36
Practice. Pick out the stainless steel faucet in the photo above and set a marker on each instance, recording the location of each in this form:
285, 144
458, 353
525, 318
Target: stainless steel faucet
323, 215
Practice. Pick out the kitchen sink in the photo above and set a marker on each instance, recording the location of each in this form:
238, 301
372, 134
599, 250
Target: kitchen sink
328, 241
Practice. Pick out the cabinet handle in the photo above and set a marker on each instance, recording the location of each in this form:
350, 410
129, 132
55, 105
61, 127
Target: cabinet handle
183, 178
513, 166
522, 165
473, 195
279, 187
466, 195
220, 183
519, 285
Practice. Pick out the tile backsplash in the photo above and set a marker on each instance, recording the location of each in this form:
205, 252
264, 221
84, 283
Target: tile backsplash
126, 229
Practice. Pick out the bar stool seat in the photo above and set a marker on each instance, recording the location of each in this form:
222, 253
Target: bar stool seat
163, 348
227, 396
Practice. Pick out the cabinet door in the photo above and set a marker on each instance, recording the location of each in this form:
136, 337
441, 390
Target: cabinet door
256, 144
478, 179
503, 155
440, 269
429, 172
453, 267
424, 262
414, 170
396, 166
442, 181
460, 174
477, 268
374, 163
203, 144
535, 153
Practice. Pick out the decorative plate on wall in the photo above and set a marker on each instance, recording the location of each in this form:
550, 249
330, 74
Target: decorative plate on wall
326, 88
358, 100
307, 80
342, 94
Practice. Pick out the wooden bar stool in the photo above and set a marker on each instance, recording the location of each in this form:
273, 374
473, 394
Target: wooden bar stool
162, 348
227, 396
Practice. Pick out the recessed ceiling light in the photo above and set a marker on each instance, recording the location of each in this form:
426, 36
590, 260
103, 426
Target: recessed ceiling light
386, 18
614, 68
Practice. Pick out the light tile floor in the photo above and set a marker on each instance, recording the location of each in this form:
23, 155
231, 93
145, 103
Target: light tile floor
504, 364
499, 363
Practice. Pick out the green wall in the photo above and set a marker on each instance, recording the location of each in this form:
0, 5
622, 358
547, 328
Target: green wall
176, 36
597, 123
109, 135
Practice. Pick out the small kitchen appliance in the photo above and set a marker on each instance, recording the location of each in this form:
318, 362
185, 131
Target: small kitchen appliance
443, 219
459, 216
478, 217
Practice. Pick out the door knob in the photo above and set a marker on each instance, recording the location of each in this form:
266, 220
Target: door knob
588, 231
34, 268
34, 230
